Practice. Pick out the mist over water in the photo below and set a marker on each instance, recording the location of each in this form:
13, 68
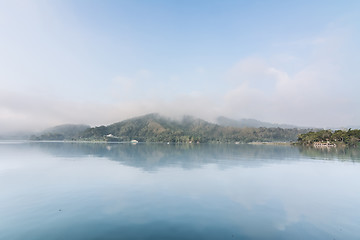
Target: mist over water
157, 191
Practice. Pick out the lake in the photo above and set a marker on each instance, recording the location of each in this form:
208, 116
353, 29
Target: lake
56, 190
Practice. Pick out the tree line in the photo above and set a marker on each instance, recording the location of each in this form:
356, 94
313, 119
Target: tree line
350, 137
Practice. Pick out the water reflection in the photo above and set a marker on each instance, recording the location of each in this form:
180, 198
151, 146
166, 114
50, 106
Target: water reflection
159, 191
153, 156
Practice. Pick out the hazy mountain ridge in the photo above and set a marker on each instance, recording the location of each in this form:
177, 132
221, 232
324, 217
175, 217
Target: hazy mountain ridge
61, 132
248, 122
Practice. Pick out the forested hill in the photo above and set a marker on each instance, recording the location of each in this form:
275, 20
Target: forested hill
156, 128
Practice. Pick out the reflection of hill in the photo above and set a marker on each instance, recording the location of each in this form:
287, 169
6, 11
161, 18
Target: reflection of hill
331, 153
188, 156
153, 156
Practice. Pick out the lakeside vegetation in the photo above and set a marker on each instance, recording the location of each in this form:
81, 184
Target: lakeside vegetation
338, 138
156, 128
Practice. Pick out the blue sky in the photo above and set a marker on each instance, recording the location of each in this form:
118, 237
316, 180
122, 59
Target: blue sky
99, 62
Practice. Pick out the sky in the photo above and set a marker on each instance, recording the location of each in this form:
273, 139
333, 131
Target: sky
100, 62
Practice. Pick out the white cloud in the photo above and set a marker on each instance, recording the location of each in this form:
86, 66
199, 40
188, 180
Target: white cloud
30, 112
316, 94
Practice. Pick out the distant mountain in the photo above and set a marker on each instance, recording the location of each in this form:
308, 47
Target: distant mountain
61, 132
17, 135
156, 128
152, 128
252, 123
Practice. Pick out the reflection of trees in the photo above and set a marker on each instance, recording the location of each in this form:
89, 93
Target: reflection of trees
344, 154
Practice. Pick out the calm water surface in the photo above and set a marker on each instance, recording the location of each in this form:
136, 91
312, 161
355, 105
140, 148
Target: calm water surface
159, 191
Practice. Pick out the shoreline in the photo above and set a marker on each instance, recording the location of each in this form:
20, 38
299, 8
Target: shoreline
113, 142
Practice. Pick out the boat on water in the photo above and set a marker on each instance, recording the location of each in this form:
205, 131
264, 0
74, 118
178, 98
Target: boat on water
134, 141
